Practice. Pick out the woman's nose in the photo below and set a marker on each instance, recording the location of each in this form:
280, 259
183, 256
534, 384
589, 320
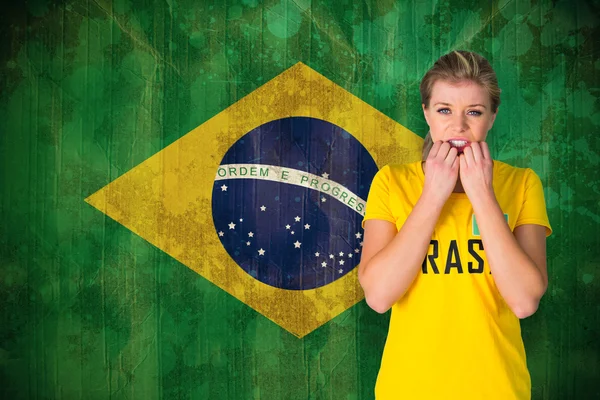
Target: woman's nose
460, 123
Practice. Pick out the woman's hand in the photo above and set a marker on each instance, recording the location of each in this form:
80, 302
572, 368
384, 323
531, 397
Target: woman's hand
476, 169
441, 172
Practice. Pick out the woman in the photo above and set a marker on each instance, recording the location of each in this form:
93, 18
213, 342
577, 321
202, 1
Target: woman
456, 246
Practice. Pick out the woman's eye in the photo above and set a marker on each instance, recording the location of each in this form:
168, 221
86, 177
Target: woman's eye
444, 111
475, 112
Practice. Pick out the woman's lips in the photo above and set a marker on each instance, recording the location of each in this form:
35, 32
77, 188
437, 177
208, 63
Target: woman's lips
460, 144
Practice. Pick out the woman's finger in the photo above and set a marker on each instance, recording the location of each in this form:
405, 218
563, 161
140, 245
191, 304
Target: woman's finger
468, 156
462, 163
456, 161
451, 157
444, 150
485, 150
476, 149
434, 149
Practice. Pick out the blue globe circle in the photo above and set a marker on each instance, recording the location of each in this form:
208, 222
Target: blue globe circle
286, 235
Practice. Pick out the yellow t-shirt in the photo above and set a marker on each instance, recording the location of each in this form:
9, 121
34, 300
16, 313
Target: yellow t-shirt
452, 336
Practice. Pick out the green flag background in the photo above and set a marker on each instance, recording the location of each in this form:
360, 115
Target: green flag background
89, 89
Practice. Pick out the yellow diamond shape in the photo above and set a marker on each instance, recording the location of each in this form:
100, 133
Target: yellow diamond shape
167, 198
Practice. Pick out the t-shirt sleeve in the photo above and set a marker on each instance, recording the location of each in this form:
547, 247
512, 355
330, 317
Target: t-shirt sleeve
378, 201
534, 205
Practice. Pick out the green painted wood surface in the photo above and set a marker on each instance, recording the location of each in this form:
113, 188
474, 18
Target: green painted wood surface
89, 89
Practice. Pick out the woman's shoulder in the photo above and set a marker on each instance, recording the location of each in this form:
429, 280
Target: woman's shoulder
505, 167
403, 170
399, 178
505, 172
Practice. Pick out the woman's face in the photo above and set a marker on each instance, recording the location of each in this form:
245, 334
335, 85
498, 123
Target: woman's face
459, 113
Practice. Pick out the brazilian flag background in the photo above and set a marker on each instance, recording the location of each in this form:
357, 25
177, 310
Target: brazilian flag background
89, 89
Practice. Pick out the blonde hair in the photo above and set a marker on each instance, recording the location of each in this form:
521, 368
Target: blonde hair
455, 67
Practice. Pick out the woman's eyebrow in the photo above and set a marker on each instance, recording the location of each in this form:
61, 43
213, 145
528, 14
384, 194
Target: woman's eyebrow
470, 105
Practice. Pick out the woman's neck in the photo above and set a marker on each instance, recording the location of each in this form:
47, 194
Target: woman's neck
459, 187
